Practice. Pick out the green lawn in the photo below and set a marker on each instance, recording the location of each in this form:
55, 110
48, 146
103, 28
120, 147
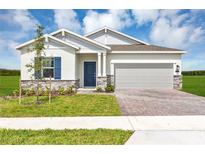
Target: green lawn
48, 136
8, 84
76, 105
194, 85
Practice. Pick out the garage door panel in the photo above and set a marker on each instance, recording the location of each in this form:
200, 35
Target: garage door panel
144, 65
143, 76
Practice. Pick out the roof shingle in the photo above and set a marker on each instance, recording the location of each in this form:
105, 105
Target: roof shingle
140, 47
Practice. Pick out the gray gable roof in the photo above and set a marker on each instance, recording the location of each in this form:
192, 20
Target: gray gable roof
140, 47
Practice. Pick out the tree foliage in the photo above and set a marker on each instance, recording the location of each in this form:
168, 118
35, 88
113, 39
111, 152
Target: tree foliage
194, 73
5, 72
38, 47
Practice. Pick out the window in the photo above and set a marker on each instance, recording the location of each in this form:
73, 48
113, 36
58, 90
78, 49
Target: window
48, 67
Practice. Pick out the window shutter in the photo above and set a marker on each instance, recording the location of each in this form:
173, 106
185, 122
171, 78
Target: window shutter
57, 61
37, 74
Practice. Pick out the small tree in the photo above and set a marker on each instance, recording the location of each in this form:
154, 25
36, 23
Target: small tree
37, 47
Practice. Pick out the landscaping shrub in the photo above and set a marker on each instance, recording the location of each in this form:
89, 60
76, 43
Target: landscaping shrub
23, 91
72, 89
61, 91
109, 88
69, 90
29, 92
99, 89
41, 92
32, 92
44, 92
15, 93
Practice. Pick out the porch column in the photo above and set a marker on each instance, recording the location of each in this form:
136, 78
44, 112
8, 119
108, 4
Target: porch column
99, 64
111, 68
104, 64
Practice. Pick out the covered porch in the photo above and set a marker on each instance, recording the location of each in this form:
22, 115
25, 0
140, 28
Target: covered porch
91, 69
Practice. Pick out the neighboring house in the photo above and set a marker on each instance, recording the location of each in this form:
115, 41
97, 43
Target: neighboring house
103, 57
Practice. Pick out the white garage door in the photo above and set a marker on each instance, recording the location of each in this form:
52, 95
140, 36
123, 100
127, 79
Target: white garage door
143, 76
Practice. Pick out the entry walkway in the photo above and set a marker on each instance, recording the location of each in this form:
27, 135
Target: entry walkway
108, 122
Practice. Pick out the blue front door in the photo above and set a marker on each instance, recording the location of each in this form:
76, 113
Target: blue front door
90, 74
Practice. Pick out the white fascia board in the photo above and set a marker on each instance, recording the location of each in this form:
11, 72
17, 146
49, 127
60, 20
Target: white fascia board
26, 43
117, 32
128, 36
143, 61
95, 31
56, 32
90, 51
124, 52
89, 40
29, 42
47, 36
82, 37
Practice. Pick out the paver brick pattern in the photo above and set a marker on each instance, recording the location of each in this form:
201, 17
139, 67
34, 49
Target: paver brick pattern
159, 102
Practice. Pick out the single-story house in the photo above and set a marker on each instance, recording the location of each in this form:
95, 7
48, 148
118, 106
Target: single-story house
103, 57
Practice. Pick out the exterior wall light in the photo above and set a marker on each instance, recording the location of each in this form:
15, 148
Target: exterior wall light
177, 69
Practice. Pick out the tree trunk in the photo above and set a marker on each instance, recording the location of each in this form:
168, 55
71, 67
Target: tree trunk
20, 90
49, 97
37, 91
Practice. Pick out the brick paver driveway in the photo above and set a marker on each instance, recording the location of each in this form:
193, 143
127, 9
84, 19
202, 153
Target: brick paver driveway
157, 102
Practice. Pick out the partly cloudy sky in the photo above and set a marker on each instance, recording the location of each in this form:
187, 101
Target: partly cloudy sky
183, 29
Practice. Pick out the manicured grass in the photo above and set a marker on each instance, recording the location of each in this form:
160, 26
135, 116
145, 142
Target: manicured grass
8, 84
76, 105
194, 85
48, 136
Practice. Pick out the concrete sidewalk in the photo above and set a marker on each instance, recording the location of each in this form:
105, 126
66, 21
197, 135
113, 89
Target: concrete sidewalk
109, 122
167, 138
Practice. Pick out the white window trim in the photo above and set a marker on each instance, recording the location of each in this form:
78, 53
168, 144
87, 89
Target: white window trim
53, 78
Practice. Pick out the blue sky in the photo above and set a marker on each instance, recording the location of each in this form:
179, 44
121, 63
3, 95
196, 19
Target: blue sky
183, 29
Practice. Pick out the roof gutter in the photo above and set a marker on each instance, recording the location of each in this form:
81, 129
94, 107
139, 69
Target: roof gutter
155, 52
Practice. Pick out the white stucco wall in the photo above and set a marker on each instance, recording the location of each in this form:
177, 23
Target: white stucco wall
85, 46
142, 58
111, 38
68, 61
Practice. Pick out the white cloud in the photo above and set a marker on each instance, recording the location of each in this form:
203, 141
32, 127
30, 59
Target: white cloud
197, 35
145, 16
25, 20
117, 19
7, 44
165, 34
67, 19
171, 28
20, 25
21, 18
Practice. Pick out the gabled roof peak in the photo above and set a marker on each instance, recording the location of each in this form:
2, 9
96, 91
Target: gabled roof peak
46, 36
106, 29
81, 37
